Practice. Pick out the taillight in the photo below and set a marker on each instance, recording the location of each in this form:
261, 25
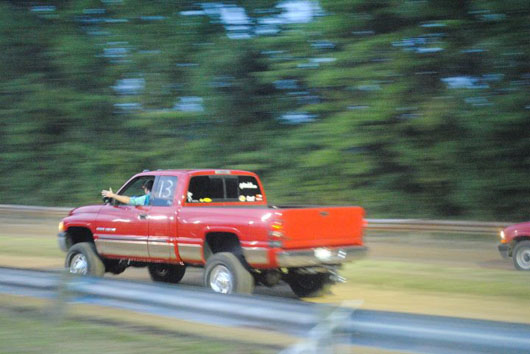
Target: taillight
276, 234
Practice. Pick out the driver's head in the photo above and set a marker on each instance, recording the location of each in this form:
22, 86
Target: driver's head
148, 185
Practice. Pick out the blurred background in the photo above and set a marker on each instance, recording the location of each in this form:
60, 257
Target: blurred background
411, 109
408, 108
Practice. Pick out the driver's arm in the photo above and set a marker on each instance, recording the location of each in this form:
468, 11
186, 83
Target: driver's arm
120, 198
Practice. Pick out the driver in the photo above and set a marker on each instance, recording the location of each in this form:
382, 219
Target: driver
143, 200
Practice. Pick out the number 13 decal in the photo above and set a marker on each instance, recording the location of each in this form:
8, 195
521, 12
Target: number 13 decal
166, 189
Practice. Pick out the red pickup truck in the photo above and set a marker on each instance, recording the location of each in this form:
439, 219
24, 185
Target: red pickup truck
219, 220
515, 243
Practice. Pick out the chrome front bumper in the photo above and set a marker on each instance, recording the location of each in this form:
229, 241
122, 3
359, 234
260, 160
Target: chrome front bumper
504, 250
319, 256
61, 240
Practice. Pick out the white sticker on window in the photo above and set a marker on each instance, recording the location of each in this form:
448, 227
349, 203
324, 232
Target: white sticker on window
247, 185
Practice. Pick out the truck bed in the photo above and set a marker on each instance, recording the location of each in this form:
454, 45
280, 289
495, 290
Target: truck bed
310, 226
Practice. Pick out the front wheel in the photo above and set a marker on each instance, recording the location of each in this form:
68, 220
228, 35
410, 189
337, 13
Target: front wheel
521, 255
167, 273
309, 285
225, 274
82, 259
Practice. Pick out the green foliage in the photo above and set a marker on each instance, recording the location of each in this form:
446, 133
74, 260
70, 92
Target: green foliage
418, 108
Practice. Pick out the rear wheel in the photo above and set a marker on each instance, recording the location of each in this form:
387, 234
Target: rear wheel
309, 285
521, 255
82, 259
167, 273
114, 266
224, 273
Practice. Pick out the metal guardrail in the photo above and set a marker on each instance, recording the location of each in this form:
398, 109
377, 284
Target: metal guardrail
24, 210
385, 225
408, 225
389, 330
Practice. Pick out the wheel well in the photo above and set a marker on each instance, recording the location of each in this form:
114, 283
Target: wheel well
516, 240
522, 238
78, 234
216, 242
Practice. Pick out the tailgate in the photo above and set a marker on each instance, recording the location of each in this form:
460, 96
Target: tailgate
325, 226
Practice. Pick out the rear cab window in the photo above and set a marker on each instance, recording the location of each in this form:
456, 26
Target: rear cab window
224, 189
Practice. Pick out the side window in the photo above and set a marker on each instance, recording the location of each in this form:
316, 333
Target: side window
198, 188
216, 189
163, 191
209, 188
232, 188
204, 189
248, 189
134, 188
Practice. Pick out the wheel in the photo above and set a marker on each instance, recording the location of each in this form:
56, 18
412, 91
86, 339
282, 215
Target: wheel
167, 273
83, 259
309, 285
521, 255
225, 274
114, 266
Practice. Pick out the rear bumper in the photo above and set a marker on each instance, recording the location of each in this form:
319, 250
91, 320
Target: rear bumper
504, 250
319, 256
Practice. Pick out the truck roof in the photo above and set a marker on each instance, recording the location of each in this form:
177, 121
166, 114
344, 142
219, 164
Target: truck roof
195, 171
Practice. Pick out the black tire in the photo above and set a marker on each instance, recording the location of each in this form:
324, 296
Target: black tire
521, 255
114, 266
309, 285
83, 259
167, 273
224, 273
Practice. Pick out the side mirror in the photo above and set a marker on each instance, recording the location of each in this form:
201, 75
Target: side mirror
107, 200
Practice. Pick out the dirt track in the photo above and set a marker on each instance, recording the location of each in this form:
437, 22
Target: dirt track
473, 252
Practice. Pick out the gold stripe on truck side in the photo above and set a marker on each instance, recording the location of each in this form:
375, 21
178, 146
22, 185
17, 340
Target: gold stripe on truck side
256, 255
122, 247
190, 252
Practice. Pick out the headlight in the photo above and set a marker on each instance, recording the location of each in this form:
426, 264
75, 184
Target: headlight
502, 235
61, 226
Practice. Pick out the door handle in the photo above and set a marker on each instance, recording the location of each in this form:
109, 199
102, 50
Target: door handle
142, 216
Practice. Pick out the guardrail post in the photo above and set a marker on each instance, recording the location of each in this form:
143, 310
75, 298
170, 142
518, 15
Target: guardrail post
64, 294
324, 337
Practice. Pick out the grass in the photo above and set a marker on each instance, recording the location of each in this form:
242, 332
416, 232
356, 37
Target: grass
35, 332
431, 278
30, 246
